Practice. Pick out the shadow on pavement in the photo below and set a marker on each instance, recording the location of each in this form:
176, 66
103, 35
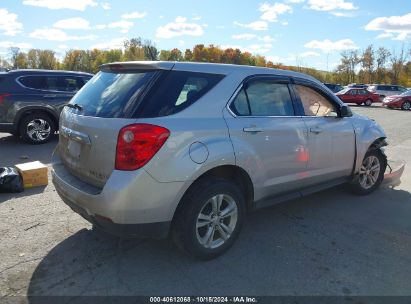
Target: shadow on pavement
14, 151
27, 192
330, 243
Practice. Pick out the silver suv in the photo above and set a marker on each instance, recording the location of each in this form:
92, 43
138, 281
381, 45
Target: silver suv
149, 149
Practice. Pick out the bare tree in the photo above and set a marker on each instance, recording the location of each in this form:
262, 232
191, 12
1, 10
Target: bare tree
14, 54
397, 64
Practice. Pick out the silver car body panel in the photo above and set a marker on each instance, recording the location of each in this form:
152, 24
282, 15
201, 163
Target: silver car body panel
202, 137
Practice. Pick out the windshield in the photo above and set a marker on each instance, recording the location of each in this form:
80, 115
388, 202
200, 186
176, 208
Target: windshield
406, 93
111, 95
343, 91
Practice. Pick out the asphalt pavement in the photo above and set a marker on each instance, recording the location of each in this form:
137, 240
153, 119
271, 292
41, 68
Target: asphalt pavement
329, 243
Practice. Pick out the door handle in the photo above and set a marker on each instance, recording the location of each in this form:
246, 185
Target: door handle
315, 130
253, 129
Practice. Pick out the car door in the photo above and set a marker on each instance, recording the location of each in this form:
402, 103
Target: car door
269, 139
331, 139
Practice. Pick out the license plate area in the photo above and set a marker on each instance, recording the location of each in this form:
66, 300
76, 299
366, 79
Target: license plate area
74, 148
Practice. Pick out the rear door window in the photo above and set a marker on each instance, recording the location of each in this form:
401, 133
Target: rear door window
34, 82
263, 98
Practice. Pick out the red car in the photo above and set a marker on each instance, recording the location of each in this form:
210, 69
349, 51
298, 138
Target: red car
402, 101
358, 96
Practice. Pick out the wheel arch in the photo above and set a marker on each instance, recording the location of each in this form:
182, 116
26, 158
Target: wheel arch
229, 172
32, 110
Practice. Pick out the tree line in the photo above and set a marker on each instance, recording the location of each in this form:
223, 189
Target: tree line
371, 65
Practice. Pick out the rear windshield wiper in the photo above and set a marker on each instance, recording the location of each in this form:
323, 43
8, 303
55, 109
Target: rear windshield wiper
74, 106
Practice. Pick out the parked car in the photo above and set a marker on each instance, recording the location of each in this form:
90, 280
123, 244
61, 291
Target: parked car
358, 96
334, 87
402, 101
187, 148
358, 86
31, 101
386, 90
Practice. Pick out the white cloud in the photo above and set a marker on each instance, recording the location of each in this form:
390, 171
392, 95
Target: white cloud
284, 23
116, 43
63, 46
395, 27
196, 18
330, 46
79, 5
309, 54
266, 39
295, 1
106, 6
21, 45
134, 15
180, 19
244, 36
9, 25
253, 48
179, 28
57, 35
122, 24
256, 25
75, 23
385, 35
330, 5
271, 12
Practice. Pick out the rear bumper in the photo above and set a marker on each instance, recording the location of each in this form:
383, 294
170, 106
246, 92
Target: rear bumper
394, 171
131, 204
149, 230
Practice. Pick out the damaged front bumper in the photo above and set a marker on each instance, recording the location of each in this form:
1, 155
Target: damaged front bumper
393, 173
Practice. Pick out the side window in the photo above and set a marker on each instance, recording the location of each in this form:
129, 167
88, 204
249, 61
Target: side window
314, 103
264, 98
34, 82
240, 105
353, 92
175, 91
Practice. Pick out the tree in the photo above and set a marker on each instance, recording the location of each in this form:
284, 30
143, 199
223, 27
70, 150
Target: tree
133, 49
397, 64
150, 50
14, 53
367, 62
382, 57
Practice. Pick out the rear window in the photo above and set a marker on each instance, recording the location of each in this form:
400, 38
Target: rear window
175, 91
112, 95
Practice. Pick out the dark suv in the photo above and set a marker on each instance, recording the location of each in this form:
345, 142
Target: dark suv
31, 101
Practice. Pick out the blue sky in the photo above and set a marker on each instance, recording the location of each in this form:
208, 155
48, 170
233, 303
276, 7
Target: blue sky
296, 32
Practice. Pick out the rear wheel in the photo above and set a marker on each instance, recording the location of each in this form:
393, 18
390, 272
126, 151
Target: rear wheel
368, 102
406, 106
371, 173
36, 128
209, 219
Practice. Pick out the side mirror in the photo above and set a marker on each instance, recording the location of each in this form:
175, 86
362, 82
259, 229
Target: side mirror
345, 111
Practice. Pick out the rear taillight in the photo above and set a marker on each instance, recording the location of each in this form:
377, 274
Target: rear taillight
3, 96
137, 144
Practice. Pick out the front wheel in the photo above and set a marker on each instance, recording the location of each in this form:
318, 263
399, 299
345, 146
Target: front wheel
371, 173
406, 106
209, 219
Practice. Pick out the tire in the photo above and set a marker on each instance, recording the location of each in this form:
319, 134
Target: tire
406, 106
36, 128
369, 179
190, 232
368, 102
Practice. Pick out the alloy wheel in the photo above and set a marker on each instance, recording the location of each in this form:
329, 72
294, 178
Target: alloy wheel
216, 221
38, 130
369, 172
